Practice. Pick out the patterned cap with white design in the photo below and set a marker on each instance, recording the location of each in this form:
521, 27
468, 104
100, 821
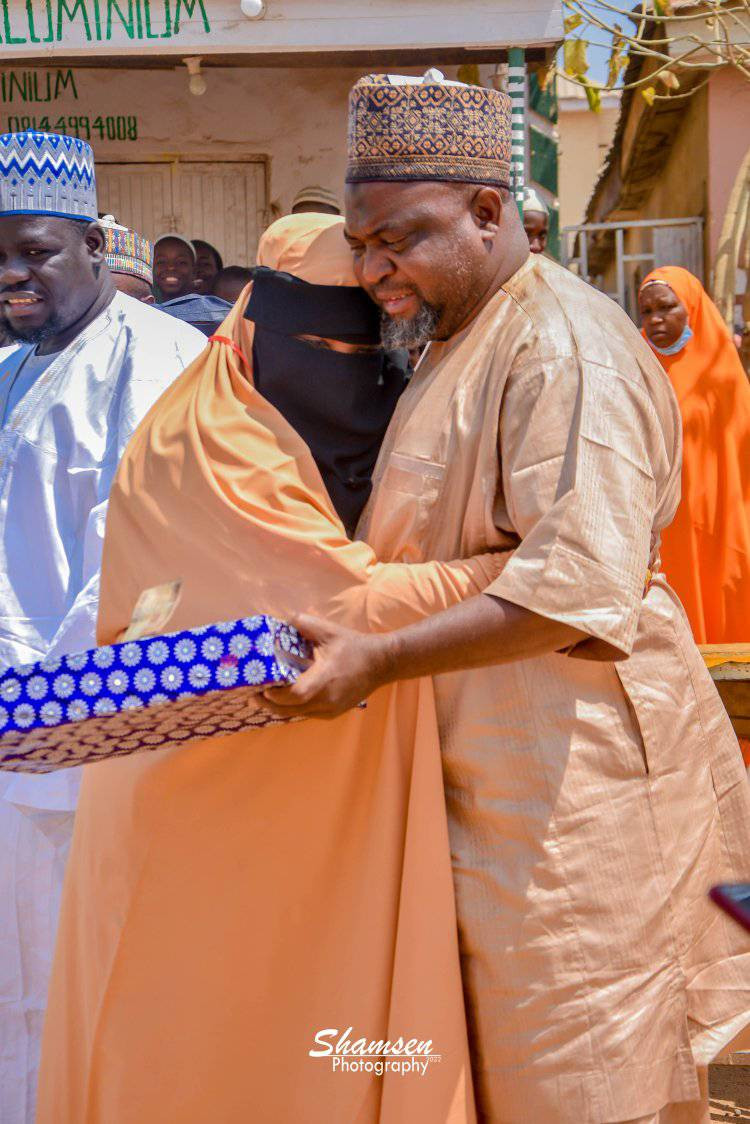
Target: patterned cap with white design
47, 174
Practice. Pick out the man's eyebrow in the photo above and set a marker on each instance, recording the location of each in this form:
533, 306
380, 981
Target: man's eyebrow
391, 226
35, 241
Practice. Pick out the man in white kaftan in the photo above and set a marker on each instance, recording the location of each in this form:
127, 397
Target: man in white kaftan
88, 364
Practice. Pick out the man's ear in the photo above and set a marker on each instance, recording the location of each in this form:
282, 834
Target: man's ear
487, 207
95, 243
486, 210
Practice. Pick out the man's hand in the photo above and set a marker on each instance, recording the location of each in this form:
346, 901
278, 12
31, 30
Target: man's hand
347, 667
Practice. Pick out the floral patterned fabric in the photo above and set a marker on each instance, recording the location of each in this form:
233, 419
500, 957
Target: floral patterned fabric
98, 704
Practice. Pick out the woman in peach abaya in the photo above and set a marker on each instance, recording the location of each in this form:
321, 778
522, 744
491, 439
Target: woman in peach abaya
229, 901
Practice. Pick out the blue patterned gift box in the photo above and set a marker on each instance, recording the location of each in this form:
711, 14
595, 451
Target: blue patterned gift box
144, 694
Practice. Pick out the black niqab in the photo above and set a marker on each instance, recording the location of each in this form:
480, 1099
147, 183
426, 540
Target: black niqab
339, 404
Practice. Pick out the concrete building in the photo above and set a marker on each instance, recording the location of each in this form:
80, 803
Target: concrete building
584, 141
666, 187
218, 153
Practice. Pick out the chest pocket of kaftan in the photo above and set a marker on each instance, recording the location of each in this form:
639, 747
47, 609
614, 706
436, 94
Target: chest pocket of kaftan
406, 501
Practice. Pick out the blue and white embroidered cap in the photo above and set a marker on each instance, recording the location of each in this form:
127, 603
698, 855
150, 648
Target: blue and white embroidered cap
47, 174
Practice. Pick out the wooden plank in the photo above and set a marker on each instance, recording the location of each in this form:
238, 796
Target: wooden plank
729, 1091
394, 58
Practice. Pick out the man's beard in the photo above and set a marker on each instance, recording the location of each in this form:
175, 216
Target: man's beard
34, 336
407, 334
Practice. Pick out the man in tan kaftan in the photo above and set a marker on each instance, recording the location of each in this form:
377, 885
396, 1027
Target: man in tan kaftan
595, 789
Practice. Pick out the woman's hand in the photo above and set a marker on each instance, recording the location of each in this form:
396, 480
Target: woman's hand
347, 667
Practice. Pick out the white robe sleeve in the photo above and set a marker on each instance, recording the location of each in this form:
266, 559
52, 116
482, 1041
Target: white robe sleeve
57, 792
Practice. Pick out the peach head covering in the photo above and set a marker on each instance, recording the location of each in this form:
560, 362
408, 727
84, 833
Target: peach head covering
706, 550
309, 246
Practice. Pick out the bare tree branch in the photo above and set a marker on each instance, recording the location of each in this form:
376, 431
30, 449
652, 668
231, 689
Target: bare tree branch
670, 41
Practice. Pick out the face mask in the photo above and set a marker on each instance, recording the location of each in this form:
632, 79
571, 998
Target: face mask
685, 336
340, 404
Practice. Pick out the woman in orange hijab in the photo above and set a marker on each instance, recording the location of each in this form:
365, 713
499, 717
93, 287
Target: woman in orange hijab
706, 551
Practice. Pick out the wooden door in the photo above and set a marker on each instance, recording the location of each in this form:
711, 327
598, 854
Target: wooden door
222, 203
138, 195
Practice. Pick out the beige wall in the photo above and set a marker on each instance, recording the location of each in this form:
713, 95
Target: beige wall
728, 120
682, 187
296, 119
681, 191
585, 138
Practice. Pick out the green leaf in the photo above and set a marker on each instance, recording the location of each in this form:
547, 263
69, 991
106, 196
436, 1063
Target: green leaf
663, 7
570, 23
618, 60
593, 94
575, 62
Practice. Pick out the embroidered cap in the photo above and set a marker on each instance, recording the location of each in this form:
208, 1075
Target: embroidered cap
127, 251
314, 194
427, 129
532, 201
177, 238
47, 174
